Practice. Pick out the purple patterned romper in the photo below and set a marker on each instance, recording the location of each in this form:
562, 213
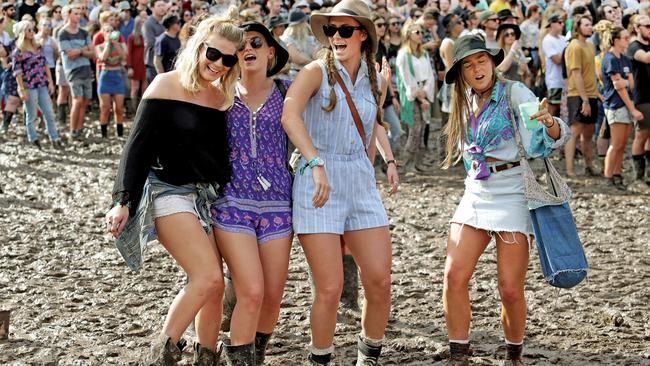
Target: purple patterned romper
257, 200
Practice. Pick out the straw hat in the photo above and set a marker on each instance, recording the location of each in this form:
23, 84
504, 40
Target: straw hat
356, 9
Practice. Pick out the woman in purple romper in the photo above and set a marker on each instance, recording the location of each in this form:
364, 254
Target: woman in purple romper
253, 216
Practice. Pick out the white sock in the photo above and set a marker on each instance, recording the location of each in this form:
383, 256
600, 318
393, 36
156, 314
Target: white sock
514, 343
371, 342
459, 341
319, 351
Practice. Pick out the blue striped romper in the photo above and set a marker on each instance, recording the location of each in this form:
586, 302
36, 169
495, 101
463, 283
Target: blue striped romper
354, 201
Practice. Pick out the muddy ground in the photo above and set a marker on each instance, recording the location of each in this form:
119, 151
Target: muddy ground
74, 301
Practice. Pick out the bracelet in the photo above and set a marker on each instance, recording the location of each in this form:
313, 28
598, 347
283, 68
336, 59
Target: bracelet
122, 203
551, 125
391, 161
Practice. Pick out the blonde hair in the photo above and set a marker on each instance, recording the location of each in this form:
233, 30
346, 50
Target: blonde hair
104, 15
188, 67
20, 29
608, 33
406, 40
299, 32
460, 107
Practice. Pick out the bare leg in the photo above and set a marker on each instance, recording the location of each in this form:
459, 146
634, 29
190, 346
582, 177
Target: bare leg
274, 255
464, 247
512, 263
586, 142
570, 148
208, 320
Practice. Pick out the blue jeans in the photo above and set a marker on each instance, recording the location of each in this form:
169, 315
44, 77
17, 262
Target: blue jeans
395, 128
40, 98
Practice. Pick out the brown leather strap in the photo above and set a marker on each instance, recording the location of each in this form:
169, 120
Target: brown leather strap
353, 108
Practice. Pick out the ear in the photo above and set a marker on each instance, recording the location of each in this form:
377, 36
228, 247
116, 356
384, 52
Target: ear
271, 52
364, 35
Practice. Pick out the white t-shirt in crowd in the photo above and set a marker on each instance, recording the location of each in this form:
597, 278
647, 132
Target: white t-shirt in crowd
552, 46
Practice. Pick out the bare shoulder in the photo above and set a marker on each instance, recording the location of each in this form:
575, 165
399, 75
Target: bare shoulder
164, 86
308, 79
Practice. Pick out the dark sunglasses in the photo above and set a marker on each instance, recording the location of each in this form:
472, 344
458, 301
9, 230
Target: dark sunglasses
416, 32
647, 26
509, 34
395, 23
213, 54
255, 42
380, 25
345, 31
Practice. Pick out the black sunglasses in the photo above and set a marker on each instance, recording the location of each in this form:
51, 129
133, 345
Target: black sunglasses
214, 55
255, 42
380, 25
345, 31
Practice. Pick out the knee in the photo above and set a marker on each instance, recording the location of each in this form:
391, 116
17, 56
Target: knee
329, 294
210, 285
273, 297
250, 295
377, 287
511, 293
456, 279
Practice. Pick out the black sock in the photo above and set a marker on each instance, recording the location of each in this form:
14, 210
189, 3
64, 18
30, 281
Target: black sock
321, 359
104, 131
120, 129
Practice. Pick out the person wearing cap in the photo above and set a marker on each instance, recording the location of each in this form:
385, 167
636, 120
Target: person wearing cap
553, 45
333, 191
301, 44
489, 23
127, 23
515, 64
252, 216
480, 132
167, 44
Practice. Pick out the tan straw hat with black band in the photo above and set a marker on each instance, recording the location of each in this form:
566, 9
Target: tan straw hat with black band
467, 46
356, 9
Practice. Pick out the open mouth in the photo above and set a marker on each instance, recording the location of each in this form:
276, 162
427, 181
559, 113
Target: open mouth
213, 69
480, 77
340, 47
250, 58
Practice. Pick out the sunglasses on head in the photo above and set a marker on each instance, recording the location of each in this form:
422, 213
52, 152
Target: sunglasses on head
255, 42
213, 55
345, 31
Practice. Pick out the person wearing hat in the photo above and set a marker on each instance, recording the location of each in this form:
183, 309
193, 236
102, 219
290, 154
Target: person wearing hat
252, 216
333, 191
489, 23
277, 25
480, 132
127, 23
300, 42
515, 64
506, 16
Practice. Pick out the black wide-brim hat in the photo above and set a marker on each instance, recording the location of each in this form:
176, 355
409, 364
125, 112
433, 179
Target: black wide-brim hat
467, 46
505, 26
281, 54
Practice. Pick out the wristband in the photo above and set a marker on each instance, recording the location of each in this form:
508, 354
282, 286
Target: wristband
122, 203
313, 162
391, 161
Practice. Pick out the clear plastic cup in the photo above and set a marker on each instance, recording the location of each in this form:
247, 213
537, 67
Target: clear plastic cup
527, 110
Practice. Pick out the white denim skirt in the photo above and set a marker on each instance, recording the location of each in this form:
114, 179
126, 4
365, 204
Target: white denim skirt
496, 204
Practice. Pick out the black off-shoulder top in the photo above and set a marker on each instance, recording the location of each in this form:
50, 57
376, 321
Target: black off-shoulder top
180, 141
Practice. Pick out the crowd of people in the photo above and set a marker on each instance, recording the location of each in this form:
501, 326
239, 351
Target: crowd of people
221, 88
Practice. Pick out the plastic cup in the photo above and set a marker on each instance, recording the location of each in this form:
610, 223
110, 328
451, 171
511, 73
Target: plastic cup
527, 110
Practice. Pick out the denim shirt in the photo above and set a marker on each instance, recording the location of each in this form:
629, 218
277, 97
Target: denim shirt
140, 228
490, 133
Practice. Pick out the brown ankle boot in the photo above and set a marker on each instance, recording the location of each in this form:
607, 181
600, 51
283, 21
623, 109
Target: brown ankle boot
205, 356
513, 355
163, 352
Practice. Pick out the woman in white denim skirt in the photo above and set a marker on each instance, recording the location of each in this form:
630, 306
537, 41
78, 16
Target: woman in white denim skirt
480, 132
334, 192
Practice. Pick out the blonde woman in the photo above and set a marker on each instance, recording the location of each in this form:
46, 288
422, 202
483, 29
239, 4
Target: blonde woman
300, 42
34, 81
416, 86
319, 122
480, 132
514, 65
175, 161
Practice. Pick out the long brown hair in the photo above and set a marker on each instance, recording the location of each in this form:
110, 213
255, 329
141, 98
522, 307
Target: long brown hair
456, 126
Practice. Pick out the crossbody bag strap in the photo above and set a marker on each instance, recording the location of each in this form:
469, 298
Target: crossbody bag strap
353, 108
513, 120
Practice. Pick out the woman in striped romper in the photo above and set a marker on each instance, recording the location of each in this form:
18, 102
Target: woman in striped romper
334, 192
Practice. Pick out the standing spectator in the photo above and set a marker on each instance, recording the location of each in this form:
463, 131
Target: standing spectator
300, 42
416, 85
582, 94
27, 7
489, 23
186, 18
50, 48
126, 21
9, 86
391, 103
135, 63
152, 29
639, 52
55, 16
110, 83
553, 45
76, 51
513, 66
9, 13
34, 82
498, 5
530, 35
200, 7
105, 5
142, 5
61, 80
167, 45
619, 107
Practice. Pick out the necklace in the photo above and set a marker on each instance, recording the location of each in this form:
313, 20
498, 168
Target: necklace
481, 98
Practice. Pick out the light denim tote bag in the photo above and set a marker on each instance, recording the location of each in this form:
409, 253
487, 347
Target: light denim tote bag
560, 250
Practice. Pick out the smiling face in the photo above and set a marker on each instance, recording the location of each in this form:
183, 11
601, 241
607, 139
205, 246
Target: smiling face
478, 71
380, 27
213, 70
415, 34
346, 48
256, 53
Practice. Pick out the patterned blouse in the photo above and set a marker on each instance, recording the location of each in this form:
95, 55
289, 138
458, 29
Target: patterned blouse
490, 133
31, 65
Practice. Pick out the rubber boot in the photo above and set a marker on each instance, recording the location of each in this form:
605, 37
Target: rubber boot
62, 114
458, 354
513, 355
205, 356
6, 120
350, 293
639, 167
243, 355
367, 355
229, 301
163, 352
261, 341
